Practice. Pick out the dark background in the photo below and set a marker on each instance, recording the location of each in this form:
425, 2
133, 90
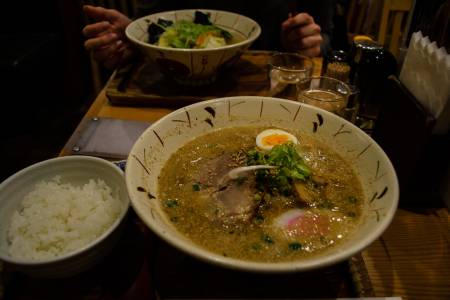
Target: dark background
45, 72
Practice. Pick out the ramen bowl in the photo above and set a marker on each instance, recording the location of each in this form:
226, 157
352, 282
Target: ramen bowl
195, 66
156, 145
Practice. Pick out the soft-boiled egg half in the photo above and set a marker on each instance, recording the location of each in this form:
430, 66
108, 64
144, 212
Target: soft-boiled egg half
272, 137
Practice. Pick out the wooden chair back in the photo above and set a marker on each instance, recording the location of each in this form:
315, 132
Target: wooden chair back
392, 21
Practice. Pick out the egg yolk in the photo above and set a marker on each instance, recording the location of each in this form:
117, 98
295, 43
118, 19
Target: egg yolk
275, 139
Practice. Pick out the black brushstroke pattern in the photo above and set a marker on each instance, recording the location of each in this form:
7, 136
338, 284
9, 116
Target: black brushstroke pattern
142, 165
378, 169
383, 193
159, 138
211, 110
141, 189
320, 118
150, 196
296, 113
340, 131
262, 107
285, 108
208, 120
315, 126
189, 119
373, 197
364, 150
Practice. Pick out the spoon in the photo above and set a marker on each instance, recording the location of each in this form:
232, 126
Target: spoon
236, 172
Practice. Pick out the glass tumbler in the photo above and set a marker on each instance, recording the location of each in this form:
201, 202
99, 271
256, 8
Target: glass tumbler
326, 93
286, 70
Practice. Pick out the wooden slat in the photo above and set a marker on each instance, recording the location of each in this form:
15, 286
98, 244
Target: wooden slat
397, 9
396, 31
384, 21
412, 259
401, 5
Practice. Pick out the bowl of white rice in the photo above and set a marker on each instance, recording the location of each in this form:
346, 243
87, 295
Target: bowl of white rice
61, 216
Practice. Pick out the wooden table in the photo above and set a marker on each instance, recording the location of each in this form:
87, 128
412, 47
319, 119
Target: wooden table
411, 259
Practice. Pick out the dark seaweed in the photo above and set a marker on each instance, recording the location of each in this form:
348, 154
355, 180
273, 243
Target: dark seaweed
165, 23
154, 32
202, 18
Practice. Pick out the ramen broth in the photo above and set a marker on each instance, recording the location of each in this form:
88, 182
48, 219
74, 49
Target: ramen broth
241, 222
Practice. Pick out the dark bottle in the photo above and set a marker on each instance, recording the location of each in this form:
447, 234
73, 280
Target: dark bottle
371, 65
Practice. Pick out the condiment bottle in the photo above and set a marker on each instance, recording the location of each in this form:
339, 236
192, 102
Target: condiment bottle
337, 65
371, 64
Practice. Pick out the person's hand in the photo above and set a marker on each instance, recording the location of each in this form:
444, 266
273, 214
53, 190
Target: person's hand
301, 34
106, 38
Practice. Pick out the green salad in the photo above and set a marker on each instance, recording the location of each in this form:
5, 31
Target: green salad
199, 34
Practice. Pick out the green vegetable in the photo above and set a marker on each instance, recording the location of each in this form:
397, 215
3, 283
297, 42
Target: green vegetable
259, 219
290, 164
240, 180
266, 238
171, 203
352, 199
295, 246
256, 247
196, 187
257, 198
351, 214
187, 34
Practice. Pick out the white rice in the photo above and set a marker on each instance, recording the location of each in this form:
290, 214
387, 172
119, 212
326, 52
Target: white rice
56, 218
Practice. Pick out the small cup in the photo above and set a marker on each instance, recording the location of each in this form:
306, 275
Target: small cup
327, 93
337, 66
286, 70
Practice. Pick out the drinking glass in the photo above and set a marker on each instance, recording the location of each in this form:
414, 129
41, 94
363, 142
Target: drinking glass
329, 94
286, 70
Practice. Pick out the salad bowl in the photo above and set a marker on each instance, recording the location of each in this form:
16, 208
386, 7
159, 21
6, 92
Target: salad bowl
198, 66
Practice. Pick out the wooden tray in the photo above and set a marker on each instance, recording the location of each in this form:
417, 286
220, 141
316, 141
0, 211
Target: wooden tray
143, 84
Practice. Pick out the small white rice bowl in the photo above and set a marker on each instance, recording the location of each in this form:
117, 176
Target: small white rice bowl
56, 218
61, 216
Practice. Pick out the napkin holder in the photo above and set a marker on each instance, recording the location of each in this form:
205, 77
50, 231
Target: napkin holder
426, 74
404, 129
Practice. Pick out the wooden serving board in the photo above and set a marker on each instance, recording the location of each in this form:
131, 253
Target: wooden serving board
142, 84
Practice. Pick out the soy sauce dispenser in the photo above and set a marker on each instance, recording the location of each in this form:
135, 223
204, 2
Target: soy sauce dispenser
371, 64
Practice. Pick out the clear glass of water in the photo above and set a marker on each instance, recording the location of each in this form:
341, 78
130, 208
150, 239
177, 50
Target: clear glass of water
286, 70
326, 93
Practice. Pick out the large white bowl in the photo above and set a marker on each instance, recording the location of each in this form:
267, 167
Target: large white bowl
76, 170
164, 137
194, 66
